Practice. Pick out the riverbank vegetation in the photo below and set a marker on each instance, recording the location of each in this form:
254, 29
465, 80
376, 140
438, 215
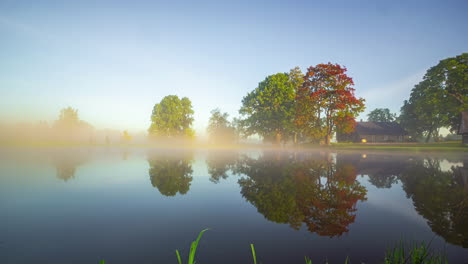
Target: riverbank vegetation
415, 253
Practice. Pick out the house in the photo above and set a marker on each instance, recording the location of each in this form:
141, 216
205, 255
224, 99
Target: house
463, 130
374, 132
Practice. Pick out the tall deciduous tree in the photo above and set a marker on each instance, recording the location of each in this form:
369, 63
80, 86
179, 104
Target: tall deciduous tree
451, 77
296, 77
381, 115
172, 117
68, 119
269, 109
328, 101
219, 127
70, 127
426, 111
438, 100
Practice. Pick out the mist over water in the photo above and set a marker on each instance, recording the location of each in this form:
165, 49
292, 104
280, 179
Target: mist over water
137, 205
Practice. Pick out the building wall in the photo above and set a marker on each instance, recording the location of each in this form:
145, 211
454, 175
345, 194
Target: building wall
383, 138
465, 139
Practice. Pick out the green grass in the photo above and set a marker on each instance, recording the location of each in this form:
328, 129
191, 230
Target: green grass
193, 249
399, 254
254, 255
415, 254
442, 146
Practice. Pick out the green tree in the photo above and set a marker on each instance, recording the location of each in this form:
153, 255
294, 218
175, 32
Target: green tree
426, 111
219, 127
438, 100
269, 109
381, 115
296, 77
172, 118
451, 76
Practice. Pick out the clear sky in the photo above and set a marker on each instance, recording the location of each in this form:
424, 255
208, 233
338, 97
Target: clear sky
113, 60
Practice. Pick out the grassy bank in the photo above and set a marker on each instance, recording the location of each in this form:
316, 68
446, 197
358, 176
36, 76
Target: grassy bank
442, 146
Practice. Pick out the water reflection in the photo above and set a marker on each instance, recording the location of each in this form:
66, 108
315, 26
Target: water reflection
440, 196
314, 190
66, 163
219, 163
171, 172
411, 197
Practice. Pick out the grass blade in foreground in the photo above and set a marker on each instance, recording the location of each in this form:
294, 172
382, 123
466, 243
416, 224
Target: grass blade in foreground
193, 249
254, 256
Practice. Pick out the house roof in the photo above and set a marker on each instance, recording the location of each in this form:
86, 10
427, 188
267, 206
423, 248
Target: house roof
380, 128
464, 123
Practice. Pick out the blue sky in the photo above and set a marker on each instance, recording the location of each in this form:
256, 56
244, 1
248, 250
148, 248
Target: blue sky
113, 60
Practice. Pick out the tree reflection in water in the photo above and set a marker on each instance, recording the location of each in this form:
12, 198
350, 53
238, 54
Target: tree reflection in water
171, 172
440, 195
302, 189
66, 163
219, 163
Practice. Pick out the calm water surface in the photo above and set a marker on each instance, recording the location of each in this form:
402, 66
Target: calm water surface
80, 205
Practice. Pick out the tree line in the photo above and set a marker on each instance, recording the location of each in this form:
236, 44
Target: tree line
312, 106
283, 107
293, 107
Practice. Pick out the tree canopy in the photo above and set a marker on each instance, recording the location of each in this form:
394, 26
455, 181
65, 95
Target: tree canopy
438, 100
328, 102
172, 118
381, 115
269, 109
219, 127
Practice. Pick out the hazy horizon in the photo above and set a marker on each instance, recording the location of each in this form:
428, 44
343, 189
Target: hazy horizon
113, 61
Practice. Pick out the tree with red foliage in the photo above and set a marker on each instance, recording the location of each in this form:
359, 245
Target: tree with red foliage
326, 102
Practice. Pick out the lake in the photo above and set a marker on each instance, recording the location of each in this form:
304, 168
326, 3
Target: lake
138, 205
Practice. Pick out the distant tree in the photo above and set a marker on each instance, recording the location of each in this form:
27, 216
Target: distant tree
219, 127
381, 115
126, 137
70, 127
68, 119
172, 117
269, 109
328, 100
426, 111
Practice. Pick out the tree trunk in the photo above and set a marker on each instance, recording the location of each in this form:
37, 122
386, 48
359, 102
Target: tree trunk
295, 138
327, 139
278, 138
428, 136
